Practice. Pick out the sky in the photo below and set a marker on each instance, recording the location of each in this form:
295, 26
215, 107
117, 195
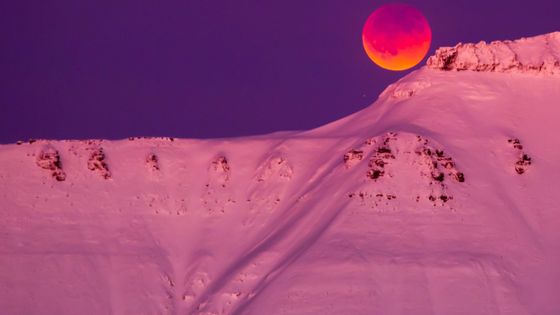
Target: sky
205, 69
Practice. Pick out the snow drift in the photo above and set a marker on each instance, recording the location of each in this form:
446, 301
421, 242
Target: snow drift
439, 198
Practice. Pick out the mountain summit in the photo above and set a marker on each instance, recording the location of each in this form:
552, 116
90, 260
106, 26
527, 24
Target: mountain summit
439, 198
539, 54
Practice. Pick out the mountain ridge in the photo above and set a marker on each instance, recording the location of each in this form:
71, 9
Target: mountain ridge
538, 54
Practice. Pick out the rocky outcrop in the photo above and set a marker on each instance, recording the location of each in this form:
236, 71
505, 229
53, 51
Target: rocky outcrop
49, 159
523, 159
97, 163
220, 170
394, 155
152, 162
539, 54
275, 168
353, 157
381, 156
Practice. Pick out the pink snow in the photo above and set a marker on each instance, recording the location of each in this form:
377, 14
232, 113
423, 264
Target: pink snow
439, 198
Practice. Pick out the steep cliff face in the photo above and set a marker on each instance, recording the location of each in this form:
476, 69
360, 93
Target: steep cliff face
439, 198
539, 54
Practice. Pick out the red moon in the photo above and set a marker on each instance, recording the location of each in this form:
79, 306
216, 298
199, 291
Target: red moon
396, 36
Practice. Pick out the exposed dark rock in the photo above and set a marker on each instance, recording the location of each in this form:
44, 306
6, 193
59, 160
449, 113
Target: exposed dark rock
439, 177
49, 159
221, 164
220, 171
524, 160
375, 174
380, 163
97, 162
383, 150
381, 155
352, 157
152, 161
460, 177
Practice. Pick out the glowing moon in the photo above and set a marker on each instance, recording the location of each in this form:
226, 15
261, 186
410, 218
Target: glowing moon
396, 36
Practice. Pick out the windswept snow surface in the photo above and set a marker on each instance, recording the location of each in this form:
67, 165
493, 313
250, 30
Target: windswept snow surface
440, 198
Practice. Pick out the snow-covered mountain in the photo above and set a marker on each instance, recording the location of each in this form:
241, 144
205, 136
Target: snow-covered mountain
442, 197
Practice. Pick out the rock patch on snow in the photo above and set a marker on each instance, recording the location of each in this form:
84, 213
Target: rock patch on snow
49, 159
404, 90
523, 160
353, 157
381, 156
220, 170
276, 167
390, 153
151, 138
217, 194
97, 163
152, 162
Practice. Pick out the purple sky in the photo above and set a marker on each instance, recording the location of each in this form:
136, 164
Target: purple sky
194, 68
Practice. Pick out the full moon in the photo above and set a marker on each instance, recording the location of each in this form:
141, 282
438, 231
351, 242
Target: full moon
396, 36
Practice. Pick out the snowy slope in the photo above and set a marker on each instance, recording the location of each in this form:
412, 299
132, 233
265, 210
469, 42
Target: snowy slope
439, 198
